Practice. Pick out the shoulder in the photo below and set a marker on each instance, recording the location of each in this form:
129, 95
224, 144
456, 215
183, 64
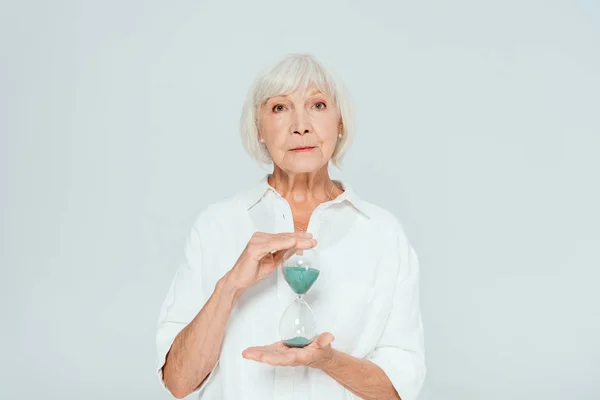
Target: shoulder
383, 219
390, 231
393, 239
220, 213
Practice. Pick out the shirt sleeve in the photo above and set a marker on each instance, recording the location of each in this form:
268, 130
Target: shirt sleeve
400, 350
184, 300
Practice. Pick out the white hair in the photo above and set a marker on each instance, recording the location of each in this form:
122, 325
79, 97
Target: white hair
292, 72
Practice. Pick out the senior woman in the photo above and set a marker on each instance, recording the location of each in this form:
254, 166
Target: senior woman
218, 326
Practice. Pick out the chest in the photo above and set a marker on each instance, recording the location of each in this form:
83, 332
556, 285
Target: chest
349, 299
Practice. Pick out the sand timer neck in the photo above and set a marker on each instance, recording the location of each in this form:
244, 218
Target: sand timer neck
300, 299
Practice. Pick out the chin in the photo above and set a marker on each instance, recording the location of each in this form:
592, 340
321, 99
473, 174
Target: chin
303, 168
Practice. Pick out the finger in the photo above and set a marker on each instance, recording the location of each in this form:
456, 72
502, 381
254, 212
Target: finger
294, 234
306, 244
281, 256
286, 243
260, 241
262, 355
255, 353
255, 350
252, 354
324, 340
272, 246
266, 237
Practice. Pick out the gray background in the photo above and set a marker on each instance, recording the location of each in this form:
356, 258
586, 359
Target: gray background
478, 126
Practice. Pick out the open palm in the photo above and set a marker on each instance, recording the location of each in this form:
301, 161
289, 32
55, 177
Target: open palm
281, 355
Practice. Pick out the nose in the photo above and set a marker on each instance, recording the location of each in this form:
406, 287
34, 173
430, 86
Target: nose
301, 124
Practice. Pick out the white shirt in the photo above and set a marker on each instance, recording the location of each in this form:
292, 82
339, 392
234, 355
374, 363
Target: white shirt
367, 295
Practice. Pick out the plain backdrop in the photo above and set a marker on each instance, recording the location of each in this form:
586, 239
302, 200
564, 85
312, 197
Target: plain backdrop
477, 125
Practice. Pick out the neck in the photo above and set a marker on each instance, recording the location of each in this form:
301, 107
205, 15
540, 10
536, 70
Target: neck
308, 188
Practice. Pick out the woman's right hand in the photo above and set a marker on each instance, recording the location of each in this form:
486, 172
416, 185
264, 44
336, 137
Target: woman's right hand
263, 254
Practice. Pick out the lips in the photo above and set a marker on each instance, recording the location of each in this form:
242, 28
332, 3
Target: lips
304, 148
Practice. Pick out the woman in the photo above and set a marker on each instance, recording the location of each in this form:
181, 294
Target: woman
225, 302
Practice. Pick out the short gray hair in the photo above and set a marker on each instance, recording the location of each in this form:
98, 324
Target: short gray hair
292, 72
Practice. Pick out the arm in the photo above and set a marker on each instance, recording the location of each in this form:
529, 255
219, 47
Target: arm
196, 348
400, 352
361, 377
192, 324
187, 348
396, 367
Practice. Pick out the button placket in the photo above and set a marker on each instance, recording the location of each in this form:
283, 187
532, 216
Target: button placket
283, 385
287, 378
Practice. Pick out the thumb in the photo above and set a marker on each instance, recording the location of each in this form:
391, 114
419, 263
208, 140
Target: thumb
324, 340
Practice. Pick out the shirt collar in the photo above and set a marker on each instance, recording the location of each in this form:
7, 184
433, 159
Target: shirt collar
259, 189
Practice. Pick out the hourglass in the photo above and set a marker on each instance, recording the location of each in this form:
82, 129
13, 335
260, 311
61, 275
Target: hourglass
298, 326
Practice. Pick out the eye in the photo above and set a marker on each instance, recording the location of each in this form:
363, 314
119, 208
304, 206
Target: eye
278, 108
320, 105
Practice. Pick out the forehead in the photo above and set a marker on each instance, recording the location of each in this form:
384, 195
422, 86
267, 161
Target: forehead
308, 92
286, 85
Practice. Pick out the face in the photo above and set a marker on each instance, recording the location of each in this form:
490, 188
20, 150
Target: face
300, 130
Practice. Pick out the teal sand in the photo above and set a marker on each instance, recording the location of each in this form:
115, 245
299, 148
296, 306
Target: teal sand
300, 279
298, 341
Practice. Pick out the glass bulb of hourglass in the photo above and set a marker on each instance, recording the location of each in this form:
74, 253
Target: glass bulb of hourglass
298, 326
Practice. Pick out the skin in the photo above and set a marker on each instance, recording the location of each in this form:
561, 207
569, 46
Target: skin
308, 118
301, 118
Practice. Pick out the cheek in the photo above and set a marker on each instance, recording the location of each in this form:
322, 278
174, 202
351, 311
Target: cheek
327, 120
327, 128
274, 121
271, 129
272, 125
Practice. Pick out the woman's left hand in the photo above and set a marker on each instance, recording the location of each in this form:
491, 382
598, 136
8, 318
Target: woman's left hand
314, 355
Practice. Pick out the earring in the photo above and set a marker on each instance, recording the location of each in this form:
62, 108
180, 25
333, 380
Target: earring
262, 140
340, 135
